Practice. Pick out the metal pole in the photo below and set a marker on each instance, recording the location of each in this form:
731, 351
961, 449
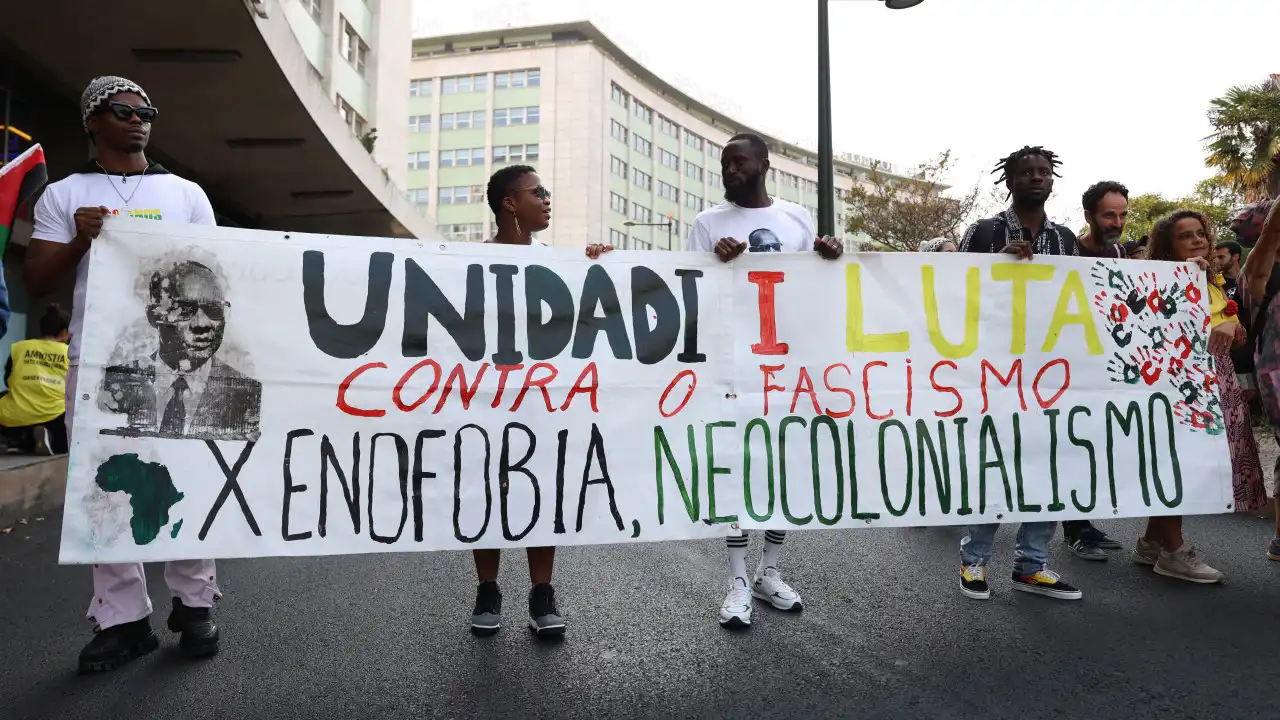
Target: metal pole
671, 234
826, 165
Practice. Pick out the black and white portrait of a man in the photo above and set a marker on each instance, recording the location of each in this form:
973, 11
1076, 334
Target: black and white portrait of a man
184, 389
763, 240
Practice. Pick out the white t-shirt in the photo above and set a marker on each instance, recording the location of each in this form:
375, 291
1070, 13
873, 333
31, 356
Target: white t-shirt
781, 227
159, 195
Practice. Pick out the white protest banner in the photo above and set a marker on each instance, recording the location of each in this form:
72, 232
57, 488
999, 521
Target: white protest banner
934, 389
249, 394
346, 395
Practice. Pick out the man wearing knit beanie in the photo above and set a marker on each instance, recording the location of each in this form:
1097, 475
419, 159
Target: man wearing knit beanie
117, 114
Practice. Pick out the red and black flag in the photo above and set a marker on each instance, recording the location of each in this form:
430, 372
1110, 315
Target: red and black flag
20, 180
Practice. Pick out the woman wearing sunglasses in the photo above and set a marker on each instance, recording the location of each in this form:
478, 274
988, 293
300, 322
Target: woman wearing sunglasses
521, 207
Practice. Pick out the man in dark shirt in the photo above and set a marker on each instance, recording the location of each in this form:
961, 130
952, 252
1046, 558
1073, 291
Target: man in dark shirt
1106, 208
1024, 230
1229, 257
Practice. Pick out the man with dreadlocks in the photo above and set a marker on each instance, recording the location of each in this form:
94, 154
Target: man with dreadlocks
117, 115
1023, 230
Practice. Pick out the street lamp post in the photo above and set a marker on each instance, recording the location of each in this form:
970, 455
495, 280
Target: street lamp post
826, 161
670, 225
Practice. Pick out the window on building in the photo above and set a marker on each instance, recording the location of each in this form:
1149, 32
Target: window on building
640, 213
315, 7
515, 153
419, 123
420, 196
422, 87
618, 131
617, 167
773, 175
517, 79
694, 140
667, 127
354, 50
617, 239
642, 179
463, 232
503, 117
420, 160
714, 150
464, 84
642, 146
668, 192
617, 203
462, 158
638, 244
693, 202
688, 230
643, 112
714, 180
620, 96
693, 172
350, 116
473, 120
671, 160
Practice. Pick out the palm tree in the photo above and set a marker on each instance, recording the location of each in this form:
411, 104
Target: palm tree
1245, 144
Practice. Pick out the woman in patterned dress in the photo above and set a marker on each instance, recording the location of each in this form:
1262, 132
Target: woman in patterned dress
1184, 236
1259, 286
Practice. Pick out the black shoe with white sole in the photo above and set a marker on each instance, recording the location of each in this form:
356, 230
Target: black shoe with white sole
1048, 583
1085, 550
544, 617
486, 619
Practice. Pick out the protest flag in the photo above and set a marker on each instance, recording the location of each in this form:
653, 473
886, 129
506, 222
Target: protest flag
20, 180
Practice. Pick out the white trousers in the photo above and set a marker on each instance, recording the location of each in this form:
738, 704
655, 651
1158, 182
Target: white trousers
120, 591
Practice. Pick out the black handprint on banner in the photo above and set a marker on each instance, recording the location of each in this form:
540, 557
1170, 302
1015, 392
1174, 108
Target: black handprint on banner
1126, 368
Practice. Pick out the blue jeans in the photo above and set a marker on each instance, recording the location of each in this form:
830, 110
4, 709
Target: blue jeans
1031, 551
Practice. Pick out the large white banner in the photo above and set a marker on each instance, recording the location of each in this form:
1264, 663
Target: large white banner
246, 394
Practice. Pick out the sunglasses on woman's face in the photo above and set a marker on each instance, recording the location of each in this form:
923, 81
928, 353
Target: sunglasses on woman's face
538, 191
125, 111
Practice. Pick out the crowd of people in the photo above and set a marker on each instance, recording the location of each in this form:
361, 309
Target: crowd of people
117, 115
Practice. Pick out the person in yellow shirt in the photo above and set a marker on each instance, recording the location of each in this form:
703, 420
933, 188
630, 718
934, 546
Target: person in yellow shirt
32, 411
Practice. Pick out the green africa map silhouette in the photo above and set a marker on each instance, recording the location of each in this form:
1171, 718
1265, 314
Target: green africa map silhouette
150, 489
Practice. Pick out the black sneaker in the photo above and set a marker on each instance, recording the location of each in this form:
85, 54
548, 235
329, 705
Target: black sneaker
117, 645
544, 618
1096, 537
486, 619
1086, 550
1046, 582
973, 582
199, 633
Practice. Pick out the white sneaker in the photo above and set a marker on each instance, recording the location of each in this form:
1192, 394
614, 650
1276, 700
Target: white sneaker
735, 611
770, 588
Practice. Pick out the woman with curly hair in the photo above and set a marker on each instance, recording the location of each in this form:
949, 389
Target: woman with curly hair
1187, 236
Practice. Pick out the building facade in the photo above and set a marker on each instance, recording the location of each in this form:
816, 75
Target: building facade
630, 159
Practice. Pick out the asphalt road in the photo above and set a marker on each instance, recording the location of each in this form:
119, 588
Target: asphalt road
885, 634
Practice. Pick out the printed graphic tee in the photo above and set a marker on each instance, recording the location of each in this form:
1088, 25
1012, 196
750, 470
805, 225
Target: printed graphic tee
156, 195
781, 227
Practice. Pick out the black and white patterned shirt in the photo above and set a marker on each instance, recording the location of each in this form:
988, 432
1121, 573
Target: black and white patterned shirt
1006, 229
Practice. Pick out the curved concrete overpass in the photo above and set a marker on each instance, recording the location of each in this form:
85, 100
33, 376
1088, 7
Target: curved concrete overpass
242, 111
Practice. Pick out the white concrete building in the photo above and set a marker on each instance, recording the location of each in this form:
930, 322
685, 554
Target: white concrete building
630, 158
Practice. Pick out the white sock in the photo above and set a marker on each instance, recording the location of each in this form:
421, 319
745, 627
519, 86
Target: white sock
738, 557
772, 546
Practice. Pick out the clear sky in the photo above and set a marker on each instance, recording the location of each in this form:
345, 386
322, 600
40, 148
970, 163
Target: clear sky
1118, 88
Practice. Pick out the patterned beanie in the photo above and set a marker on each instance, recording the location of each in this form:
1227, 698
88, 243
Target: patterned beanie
933, 245
100, 89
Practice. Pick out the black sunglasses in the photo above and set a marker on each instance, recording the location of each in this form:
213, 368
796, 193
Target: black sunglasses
538, 191
125, 111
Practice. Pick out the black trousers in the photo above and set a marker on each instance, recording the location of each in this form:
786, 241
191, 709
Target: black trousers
24, 438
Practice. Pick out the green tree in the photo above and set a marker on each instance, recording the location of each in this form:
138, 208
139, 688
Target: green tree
899, 213
1213, 196
1245, 144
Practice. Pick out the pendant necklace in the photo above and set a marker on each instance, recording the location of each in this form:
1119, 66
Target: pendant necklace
125, 179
